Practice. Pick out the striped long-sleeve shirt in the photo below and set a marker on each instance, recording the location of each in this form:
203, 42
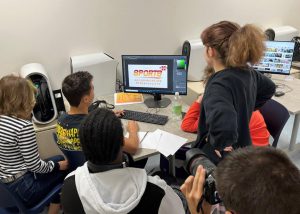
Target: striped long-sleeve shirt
18, 148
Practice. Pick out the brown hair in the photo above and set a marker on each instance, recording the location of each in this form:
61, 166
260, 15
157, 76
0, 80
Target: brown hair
259, 180
16, 96
208, 71
76, 85
236, 46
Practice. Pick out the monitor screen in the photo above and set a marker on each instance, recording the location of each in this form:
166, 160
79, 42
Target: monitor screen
155, 74
162, 74
277, 58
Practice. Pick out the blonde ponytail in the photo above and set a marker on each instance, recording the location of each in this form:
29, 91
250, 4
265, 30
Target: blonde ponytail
246, 45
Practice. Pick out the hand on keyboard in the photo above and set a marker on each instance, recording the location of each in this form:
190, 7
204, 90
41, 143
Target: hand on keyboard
118, 113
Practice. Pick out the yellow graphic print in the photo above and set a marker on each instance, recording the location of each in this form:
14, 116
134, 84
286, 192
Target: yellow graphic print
68, 138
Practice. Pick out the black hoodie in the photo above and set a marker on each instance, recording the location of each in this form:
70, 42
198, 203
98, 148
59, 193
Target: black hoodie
230, 97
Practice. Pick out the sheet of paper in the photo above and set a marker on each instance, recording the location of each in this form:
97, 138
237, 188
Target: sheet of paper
147, 140
164, 142
169, 143
140, 135
151, 140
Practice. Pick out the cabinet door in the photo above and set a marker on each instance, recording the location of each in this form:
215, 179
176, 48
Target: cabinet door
47, 146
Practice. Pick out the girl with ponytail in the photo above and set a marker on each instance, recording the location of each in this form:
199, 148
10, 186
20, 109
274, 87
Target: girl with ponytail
233, 90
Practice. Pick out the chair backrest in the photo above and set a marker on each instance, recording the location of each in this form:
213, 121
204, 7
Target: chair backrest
275, 116
10, 203
75, 158
9, 200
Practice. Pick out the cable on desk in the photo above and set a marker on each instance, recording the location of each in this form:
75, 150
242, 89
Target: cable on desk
119, 84
290, 89
282, 87
153, 110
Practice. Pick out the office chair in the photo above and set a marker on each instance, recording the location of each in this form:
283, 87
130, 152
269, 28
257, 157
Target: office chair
275, 116
10, 202
75, 158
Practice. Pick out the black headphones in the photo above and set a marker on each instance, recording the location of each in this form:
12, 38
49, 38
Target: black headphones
101, 103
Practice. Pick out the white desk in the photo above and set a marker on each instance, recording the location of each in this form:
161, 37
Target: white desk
48, 148
172, 126
291, 100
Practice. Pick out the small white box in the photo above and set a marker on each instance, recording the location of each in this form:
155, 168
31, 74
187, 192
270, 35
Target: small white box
285, 33
103, 68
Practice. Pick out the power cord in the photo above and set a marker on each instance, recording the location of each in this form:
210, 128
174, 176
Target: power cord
283, 87
152, 110
119, 84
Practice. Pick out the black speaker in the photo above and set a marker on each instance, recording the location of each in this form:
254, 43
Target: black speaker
186, 51
59, 101
270, 34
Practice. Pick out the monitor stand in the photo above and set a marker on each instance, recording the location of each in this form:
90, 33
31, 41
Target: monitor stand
157, 101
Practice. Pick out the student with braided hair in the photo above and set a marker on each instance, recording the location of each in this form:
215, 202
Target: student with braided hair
104, 184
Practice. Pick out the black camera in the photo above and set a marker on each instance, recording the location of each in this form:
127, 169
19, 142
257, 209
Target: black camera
196, 157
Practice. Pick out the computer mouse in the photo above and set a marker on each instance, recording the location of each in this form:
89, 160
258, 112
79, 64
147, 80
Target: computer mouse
279, 93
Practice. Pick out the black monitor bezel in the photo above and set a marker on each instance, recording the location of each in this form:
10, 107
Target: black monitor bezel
163, 93
273, 72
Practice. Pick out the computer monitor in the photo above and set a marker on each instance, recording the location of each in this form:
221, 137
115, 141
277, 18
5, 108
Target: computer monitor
277, 58
156, 75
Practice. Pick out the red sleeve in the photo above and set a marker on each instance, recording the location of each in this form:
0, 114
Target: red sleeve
191, 119
258, 130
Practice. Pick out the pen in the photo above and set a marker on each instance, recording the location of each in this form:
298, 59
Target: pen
160, 136
143, 137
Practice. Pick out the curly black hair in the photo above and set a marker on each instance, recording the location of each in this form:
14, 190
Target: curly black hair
101, 136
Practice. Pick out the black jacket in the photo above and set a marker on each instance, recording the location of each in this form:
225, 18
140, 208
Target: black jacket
230, 97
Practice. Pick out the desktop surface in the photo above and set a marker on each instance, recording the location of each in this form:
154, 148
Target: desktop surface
291, 88
172, 126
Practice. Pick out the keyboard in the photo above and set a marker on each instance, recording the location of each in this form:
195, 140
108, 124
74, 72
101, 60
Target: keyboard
145, 117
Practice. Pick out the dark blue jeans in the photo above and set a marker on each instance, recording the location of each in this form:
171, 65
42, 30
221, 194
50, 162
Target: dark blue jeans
31, 188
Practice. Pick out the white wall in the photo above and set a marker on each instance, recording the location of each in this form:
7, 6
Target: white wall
50, 31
